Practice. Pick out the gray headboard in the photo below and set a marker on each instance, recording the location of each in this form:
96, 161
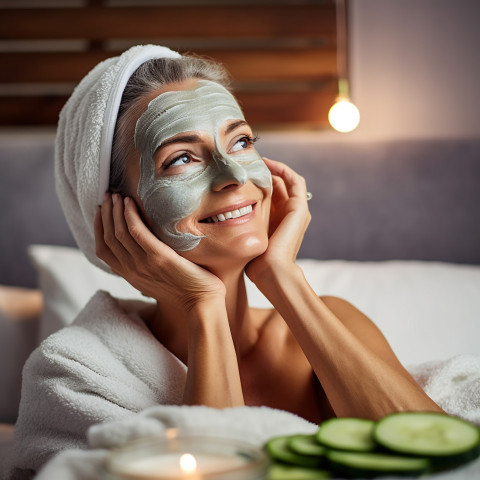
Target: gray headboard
405, 200
371, 201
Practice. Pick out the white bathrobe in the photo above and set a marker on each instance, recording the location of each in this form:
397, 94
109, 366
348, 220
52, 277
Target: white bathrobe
105, 366
108, 370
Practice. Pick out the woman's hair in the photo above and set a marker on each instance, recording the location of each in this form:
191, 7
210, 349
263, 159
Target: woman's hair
150, 76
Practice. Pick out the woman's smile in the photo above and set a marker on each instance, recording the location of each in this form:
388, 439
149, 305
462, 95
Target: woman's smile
232, 215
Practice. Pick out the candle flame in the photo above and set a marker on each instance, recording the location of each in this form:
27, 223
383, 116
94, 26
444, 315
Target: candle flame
188, 463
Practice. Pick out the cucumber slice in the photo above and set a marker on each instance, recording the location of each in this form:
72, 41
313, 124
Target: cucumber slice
446, 440
278, 449
278, 471
357, 464
306, 445
352, 434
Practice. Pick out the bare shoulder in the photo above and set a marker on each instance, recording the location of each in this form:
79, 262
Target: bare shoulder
337, 302
362, 327
346, 312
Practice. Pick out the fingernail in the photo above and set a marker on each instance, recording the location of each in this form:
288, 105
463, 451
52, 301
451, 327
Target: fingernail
126, 200
105, 196
115, 197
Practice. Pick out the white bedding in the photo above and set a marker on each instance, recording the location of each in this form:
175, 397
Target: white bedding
426, 310
429, 311
454, 384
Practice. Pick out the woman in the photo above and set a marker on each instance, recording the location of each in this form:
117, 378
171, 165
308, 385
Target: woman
192, 207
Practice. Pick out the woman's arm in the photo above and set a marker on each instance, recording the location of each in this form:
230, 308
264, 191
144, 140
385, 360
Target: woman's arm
125, 243
355, 365
213, 377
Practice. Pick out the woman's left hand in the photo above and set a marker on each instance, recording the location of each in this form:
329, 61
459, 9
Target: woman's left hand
289, 219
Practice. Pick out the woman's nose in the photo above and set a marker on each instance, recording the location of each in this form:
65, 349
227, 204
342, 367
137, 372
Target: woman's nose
228, 173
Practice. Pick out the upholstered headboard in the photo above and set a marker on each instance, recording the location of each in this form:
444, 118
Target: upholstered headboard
371, 201
403, 200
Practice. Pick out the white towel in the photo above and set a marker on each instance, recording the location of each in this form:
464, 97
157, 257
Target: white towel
252, 424
66, 389
84, 141
454, 384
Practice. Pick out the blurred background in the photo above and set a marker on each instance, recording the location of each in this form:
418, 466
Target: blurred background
404, 185
413, 65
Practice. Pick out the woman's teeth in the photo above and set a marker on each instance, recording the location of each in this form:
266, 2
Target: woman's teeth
221, 217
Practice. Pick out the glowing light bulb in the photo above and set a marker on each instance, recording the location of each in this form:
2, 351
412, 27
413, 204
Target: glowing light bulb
344, 115
188, 463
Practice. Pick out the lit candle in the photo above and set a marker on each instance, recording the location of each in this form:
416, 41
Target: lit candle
179, 466
182, 456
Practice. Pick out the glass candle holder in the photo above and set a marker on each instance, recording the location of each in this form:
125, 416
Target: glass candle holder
186, 455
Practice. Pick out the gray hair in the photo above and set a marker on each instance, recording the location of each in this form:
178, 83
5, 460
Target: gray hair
150, 76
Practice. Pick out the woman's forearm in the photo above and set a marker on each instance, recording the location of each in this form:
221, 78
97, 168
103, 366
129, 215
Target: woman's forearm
356, 375
213, 378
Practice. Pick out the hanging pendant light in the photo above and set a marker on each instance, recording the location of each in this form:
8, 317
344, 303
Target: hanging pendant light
343, 115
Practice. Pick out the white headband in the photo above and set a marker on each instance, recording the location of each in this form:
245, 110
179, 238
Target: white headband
113, 104
83, 145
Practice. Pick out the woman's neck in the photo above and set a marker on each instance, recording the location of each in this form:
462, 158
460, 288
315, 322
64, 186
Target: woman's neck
169, 322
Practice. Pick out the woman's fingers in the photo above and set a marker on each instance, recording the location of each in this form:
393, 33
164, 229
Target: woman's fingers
110, 229
279, 188
102, 250
295, 184
122, 233
290, 216
139, 232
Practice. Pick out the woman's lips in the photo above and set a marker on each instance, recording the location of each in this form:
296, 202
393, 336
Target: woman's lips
230, 213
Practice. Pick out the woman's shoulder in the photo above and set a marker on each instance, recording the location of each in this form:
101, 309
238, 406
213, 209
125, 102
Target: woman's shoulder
345, 311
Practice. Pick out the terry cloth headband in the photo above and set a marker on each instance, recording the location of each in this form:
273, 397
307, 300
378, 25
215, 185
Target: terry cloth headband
83, 145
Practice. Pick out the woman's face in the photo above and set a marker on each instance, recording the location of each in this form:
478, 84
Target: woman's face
202, 186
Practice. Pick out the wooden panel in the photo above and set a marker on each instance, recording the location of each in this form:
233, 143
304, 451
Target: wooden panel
244, 65
262, 109
239, 21
304, 108
30, 110
282, 58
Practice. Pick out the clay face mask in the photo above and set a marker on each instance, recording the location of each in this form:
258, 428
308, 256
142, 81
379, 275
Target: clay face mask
167, 200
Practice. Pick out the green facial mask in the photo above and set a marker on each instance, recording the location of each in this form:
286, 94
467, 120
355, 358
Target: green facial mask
168, 200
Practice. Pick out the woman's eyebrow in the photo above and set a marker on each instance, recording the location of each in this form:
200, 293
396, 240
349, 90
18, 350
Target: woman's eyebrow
234, 125
181, 139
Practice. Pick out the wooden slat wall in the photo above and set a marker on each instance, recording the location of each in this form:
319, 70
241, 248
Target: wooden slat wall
282, 57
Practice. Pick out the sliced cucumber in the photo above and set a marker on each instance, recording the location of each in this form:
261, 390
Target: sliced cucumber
278, 449
358, 464
446, 440
306, 445
352, 434
278, 471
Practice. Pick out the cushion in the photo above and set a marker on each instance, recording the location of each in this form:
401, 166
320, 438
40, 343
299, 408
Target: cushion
426, 310
68, 280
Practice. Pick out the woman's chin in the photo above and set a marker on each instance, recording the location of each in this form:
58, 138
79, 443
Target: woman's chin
235, 253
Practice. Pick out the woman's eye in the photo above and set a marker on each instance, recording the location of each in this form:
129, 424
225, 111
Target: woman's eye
243, 144
178, 161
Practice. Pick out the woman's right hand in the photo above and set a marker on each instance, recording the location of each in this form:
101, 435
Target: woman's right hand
131, 250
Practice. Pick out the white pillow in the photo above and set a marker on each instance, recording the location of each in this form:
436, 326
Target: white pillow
426, 310
68, 281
